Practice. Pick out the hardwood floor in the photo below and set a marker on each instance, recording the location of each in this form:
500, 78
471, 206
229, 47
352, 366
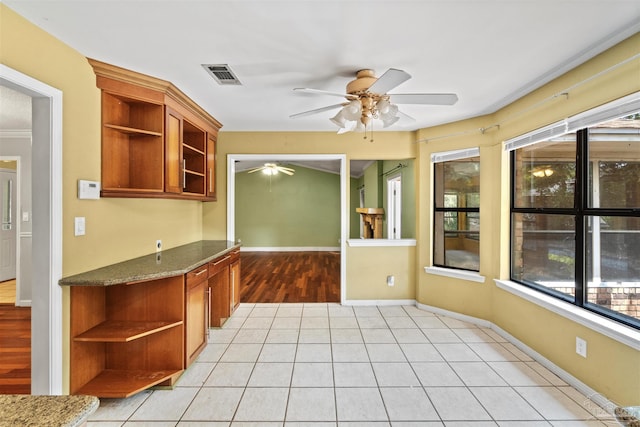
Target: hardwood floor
8, 292
15, 349
290, 277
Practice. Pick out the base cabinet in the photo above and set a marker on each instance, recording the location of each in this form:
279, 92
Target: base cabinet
126, 338
224, 286
234, 270
196, 308
219, 290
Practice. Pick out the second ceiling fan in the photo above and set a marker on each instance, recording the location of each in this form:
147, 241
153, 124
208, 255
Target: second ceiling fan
367, 99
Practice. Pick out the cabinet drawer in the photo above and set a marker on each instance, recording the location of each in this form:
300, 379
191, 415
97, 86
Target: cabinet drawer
219, 264
235, 255
197, 275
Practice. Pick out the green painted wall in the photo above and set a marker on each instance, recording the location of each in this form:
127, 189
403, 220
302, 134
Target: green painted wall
407, 172
302, 210
354, 202
375, 193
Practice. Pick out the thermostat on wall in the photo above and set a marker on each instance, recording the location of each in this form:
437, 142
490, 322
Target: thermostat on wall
88, 189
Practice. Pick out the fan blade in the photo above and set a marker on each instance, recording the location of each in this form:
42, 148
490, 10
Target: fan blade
286, 172
255, 170
390, 79
424, 98
286, 169
406, 116
317, 110
324, 92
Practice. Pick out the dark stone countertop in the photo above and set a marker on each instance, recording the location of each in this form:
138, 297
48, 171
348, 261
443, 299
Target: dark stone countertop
168, 263
23, 410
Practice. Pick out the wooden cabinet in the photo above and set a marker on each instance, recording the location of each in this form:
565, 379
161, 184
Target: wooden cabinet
211, 166
224, 286
126, 338
234, 270
219, 290
156, 142
132, 149
173, 152
196, 308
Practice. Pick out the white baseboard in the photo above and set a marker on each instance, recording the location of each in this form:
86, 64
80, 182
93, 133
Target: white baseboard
591, 394
23, 303
384, 302
290, 249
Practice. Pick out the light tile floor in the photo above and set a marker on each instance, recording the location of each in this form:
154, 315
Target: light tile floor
322, 365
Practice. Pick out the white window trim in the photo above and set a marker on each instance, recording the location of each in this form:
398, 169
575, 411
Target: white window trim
615, 109
609, 328
471, 276
363, 243
619, 108
448, 156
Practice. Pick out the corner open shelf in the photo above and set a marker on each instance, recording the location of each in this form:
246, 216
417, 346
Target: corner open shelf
126, 338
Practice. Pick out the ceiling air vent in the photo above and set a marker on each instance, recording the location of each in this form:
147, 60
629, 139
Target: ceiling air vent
222, 73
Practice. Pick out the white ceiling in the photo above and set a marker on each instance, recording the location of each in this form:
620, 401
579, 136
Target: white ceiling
489, 52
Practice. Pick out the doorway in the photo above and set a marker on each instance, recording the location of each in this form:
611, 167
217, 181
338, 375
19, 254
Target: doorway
46, 271
394, 207
263, 158
8, 222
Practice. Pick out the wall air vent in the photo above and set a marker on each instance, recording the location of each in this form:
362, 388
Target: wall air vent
222, 74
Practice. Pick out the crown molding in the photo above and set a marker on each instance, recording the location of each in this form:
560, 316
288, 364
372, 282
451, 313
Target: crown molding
15, 133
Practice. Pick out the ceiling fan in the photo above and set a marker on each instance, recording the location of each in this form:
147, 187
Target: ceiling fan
367, 99
272, 169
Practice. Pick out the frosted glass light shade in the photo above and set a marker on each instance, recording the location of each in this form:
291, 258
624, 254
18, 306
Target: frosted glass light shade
353, 110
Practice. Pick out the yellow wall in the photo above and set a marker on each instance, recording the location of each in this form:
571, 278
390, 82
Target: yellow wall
118, 229
612, 368
367, 270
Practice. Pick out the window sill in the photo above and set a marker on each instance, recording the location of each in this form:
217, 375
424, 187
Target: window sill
471, 276
380, 242
621, 333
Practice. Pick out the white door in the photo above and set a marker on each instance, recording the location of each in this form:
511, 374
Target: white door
7, 225
394, 207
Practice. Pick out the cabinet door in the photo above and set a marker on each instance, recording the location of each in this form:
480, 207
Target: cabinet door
173, 181
211, 166
219, 294
235, 284
196, 327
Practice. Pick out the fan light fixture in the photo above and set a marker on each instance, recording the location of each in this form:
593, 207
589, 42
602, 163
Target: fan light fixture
356, 115
271, 169
367, 99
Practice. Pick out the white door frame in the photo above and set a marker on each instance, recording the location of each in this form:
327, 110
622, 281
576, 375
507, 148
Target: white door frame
394, 207
16, 221
231, 197
46, 300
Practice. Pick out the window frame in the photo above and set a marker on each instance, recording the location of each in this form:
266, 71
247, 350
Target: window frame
581, 209
443, 157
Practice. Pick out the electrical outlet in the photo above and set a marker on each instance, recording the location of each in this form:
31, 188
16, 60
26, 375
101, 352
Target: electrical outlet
158, 245
391, 280
581, 347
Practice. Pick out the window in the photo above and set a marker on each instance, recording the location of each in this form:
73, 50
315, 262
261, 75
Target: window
457, 210
575, 216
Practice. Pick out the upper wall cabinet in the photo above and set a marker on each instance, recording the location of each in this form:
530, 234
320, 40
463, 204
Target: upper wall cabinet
156, 142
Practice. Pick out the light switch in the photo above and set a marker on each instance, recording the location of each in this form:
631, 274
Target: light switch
79, 226
25, 216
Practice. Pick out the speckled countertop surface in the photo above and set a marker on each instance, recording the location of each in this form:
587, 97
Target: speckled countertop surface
22, 410
168, 263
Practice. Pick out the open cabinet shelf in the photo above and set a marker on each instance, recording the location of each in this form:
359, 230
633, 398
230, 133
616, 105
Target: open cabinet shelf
125, 338
112, 383
123, 331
